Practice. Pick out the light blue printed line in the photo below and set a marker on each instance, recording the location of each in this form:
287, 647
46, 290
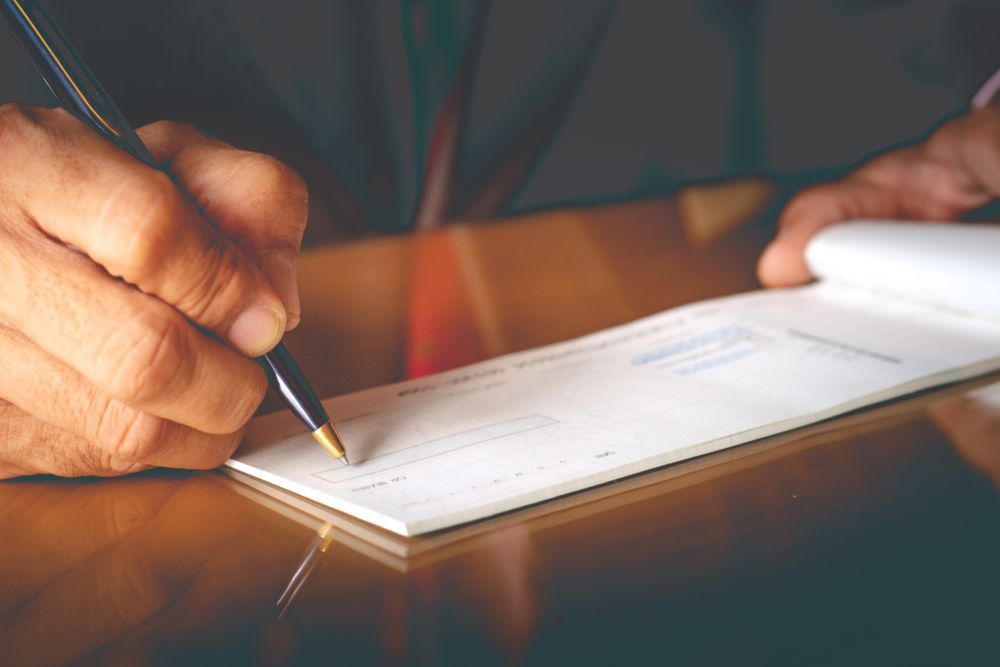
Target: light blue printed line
726, 333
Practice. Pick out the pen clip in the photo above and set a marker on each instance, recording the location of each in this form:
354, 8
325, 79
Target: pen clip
69, 79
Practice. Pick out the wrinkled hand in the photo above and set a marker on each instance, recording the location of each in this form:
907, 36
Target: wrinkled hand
955, 171
108, 265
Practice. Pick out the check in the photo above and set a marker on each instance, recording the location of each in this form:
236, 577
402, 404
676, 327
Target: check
444, 450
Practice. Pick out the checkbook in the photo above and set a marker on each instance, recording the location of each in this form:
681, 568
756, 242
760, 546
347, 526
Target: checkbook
896, 308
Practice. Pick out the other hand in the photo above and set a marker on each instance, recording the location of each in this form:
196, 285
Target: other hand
955, 171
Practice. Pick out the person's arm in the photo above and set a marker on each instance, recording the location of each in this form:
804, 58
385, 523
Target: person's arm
955, 171
110, 269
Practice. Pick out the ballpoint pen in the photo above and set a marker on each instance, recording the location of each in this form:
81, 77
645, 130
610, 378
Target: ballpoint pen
78, 91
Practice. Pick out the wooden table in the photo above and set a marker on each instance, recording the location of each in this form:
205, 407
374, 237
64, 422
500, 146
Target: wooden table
873, 538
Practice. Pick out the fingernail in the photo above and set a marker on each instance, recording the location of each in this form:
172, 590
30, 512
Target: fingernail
281, 270
257, 330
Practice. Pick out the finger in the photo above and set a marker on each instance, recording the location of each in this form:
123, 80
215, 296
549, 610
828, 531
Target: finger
34, 447
132, 346
251, 197
10, 471
783, 261
133, 221
123, 436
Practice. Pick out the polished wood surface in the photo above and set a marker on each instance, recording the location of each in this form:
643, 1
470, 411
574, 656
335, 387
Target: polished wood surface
872, 539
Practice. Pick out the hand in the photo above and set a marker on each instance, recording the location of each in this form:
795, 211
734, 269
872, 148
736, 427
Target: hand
955, 171
108, 266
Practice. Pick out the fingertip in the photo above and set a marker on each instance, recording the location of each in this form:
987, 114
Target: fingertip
782, 264
258, 329
764, 266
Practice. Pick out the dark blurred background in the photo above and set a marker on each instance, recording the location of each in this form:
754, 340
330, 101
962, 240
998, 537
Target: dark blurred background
418, 112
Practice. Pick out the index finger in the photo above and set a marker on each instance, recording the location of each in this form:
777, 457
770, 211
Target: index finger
252, 197
132, 220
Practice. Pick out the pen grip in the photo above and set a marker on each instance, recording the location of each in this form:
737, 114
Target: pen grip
288, 380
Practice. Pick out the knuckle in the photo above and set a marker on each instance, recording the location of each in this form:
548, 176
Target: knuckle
273, 175
24, 127
148, 213
147, 358
219, 281
57, 116
169, 128
128, 435
276, 185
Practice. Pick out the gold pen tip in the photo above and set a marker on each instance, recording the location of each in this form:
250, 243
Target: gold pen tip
327, 436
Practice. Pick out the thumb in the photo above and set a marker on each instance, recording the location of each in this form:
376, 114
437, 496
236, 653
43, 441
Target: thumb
782, 264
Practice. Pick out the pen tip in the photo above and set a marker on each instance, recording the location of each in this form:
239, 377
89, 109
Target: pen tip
327, 436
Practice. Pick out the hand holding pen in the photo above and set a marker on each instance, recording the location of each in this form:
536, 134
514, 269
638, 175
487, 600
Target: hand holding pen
111, 267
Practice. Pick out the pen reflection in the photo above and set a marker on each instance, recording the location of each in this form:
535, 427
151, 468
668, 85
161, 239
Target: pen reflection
313, 553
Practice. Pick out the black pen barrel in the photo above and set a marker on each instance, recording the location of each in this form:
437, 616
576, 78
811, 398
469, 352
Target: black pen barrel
288, 380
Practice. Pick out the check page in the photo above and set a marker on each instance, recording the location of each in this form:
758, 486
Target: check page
451, 448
